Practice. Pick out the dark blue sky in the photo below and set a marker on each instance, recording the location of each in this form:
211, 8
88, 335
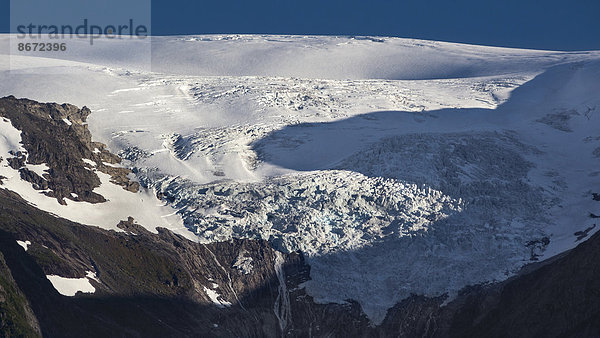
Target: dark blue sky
550, 24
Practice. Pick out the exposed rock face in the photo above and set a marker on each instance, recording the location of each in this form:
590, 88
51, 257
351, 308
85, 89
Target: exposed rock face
558, 298
56, 135
162, 284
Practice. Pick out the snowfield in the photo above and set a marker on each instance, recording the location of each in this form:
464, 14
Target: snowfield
398, 166
71, 286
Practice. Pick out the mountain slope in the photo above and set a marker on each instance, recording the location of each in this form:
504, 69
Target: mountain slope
16, 316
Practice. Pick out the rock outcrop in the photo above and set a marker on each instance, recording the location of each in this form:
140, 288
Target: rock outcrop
57, 135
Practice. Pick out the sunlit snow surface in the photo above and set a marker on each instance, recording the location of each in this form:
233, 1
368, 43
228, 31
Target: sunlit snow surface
215, 297
70, 286
24, 244
399, 166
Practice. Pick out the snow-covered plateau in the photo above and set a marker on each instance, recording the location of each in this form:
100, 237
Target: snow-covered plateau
398, 166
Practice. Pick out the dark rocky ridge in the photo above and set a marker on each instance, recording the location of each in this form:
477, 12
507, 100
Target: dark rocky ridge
153, 284
48, 139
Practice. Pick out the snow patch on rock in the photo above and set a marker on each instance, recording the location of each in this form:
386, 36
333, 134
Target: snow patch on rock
243, 263
70, 286
24, 244
215, 297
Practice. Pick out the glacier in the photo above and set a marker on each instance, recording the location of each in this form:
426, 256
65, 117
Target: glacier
398, 166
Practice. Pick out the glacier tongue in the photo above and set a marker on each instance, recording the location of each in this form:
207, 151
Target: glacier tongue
370, 234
